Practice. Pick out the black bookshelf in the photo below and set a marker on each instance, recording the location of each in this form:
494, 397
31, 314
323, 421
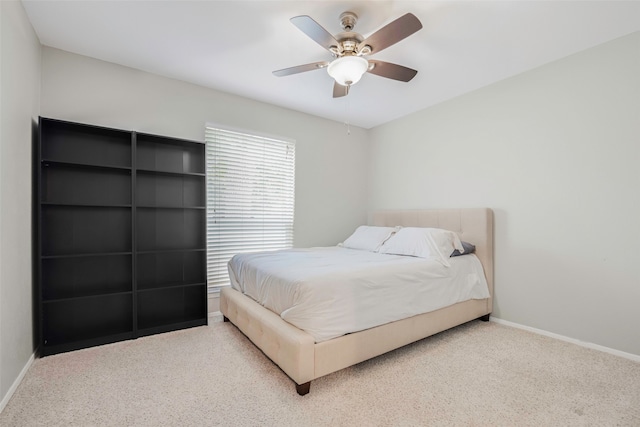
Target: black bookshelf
170, 233
121, 235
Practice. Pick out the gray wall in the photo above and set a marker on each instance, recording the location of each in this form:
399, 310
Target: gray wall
556, 153
331, 174
20, 103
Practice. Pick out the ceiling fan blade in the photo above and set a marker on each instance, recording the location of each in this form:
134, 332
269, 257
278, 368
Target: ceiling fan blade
339, 90
392, 71
314, 30
300, 69
392, 33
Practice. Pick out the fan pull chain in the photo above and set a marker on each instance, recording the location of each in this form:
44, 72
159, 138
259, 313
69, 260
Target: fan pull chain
346, 114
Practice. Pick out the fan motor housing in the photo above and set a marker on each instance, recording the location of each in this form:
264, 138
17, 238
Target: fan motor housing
349, 42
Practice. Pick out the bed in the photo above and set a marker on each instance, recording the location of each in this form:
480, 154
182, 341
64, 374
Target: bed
303, 359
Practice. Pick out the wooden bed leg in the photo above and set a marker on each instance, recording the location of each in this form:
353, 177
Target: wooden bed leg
303, 389
485, 318
225, 319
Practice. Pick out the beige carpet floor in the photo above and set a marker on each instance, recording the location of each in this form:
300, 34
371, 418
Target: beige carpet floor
475, 375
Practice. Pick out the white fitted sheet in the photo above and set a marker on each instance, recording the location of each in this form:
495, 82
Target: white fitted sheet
333, 291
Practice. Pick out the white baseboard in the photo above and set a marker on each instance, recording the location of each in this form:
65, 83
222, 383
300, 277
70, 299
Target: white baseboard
16, 383
630, 356
213, 302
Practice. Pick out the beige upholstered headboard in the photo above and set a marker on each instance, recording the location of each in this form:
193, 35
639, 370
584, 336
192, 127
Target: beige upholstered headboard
474, 225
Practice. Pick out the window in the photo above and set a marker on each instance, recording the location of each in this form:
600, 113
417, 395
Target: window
250, 197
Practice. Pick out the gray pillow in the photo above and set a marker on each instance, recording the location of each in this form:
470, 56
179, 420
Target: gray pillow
468, 249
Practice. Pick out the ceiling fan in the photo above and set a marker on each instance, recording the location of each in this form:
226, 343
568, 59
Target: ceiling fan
349, 50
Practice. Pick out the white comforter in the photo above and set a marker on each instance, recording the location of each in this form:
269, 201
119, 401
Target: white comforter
329, 292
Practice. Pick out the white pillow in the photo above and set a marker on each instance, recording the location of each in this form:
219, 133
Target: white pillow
434, 243
369, 238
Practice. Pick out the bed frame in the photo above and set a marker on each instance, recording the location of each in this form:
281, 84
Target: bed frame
295, 351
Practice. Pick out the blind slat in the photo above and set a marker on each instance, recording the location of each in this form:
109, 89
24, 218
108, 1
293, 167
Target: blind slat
250, 197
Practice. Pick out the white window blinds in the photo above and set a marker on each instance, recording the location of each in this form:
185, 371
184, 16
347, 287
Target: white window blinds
250, 197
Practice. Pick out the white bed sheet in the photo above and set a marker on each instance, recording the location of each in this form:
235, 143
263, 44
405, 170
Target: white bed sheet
333, 291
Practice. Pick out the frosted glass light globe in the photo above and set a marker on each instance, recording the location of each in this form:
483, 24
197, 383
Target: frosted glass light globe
348, 70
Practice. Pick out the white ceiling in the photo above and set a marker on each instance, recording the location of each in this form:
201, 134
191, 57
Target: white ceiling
233, 46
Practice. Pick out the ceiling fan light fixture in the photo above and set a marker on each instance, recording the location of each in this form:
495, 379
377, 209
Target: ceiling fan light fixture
348, 70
